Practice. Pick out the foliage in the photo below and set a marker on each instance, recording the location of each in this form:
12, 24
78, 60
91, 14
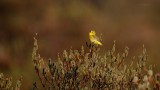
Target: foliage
6, 83
88, 70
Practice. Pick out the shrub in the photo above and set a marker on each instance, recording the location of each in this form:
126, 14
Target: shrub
6, 83
88, 70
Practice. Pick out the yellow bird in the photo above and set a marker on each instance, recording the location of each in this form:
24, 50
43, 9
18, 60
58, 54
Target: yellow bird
94, 39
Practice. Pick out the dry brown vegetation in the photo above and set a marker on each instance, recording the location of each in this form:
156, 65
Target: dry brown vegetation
86, 69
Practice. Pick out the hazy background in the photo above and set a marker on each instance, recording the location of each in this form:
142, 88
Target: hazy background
62, 24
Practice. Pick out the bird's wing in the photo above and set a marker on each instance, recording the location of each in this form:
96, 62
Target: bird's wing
97, 38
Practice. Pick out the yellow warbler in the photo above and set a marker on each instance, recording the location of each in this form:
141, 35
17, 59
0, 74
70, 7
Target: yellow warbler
94, 39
